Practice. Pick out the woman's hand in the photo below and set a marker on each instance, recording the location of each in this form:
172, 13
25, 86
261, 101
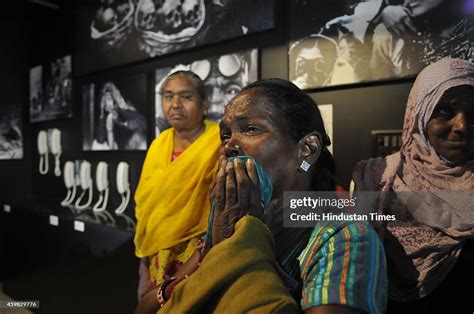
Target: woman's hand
191, 264
149, 303
235, 193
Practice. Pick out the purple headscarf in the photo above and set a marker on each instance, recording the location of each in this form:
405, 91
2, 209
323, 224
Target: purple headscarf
421, 257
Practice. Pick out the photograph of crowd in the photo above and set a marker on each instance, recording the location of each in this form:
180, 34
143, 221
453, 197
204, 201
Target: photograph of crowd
353, 41
114, 114
51, 90
224, 76
11, 137
116, 32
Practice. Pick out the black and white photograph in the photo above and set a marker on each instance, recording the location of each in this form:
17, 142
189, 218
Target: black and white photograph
11, 137
350, 41
117, 32
51, 90
224, 76
114, 114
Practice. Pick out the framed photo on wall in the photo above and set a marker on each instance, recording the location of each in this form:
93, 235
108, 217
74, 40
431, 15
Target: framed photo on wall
11, 136
116, 32
114, 114
349, 41
51, 90
224, 76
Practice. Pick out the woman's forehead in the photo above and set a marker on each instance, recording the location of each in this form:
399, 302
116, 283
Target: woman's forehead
459, 97
247, 103
459, 91
179, 81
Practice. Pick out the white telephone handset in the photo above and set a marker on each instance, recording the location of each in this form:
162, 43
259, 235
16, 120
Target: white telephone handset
86, 185
101, 176
56, 150
43, 151
123, 186
69, 182
102, 183
122, 177
86, 176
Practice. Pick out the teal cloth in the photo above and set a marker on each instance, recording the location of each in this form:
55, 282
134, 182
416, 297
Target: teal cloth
266, 191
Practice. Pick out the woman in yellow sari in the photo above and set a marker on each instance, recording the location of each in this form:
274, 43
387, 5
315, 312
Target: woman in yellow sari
172, 205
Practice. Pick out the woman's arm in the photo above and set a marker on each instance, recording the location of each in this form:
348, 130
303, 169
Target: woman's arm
236, 276
343, 268
143, 277
148, 303
333, 309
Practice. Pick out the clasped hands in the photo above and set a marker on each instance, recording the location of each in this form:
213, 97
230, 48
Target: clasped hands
235, 192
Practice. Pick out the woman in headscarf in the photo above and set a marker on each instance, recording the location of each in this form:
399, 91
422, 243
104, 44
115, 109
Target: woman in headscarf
172, 205
433, 182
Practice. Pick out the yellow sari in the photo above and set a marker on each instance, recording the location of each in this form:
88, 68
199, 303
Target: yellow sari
172, 205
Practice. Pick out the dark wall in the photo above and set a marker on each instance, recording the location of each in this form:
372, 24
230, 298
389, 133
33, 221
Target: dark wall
56, 265
42, 34
13, 84
51, 35
37, 35
358, 111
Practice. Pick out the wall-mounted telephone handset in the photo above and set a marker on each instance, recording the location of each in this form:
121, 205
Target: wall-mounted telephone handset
69, 182
123, 186
102, 183
55, 137
86, 185
43, 151
122, 177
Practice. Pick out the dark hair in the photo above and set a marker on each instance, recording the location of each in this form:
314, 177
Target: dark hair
198, 84
287, 103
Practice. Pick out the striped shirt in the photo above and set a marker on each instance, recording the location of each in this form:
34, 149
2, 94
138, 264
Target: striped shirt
344, 263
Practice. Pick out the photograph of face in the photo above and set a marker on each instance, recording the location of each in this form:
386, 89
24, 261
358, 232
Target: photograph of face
114, 114
224, 76
51, 90
358, 41
116, 32
312, 61
11, 137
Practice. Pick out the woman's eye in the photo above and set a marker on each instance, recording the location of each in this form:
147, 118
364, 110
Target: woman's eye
224, 137
446, 112
186, 96
443, 112
251, 129
168, 97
